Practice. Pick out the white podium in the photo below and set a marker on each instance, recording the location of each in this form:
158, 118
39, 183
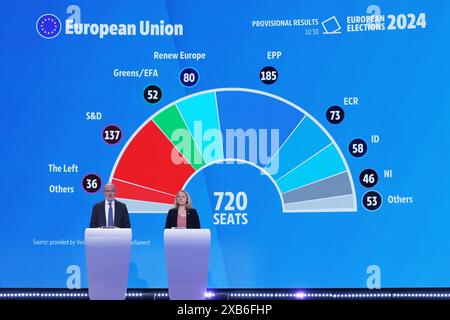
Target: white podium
187, 260
108, 261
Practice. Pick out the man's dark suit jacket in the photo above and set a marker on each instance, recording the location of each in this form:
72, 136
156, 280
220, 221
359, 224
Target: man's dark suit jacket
121, 217
192, 220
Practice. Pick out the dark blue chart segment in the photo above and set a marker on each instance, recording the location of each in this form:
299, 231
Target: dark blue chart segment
263, 122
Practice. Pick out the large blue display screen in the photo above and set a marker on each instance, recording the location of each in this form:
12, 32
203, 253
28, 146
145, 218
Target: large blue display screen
312, 138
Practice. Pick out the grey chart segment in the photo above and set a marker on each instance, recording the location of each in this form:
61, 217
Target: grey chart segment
337, 185
334, 204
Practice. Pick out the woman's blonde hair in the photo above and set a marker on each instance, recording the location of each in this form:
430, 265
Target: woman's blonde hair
188, 200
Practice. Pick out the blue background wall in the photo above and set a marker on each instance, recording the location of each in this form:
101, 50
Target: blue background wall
401, 78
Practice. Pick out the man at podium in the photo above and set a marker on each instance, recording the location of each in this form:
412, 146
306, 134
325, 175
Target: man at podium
110, 212
182, 215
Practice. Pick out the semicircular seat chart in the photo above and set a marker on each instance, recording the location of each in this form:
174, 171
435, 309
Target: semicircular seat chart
291, 147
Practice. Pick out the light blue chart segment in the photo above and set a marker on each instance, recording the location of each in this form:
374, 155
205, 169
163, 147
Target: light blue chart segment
305, 141
325, 164
201, 117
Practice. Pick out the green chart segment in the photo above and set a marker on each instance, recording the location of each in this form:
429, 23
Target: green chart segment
307, 168
174, 127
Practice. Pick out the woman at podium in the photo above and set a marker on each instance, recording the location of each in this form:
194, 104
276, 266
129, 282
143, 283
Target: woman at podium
182, 215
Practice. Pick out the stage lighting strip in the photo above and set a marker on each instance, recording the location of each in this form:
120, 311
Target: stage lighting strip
55, 295
313, 296
238, 296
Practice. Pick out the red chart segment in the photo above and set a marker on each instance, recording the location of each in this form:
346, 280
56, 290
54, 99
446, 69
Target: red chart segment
147, 164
